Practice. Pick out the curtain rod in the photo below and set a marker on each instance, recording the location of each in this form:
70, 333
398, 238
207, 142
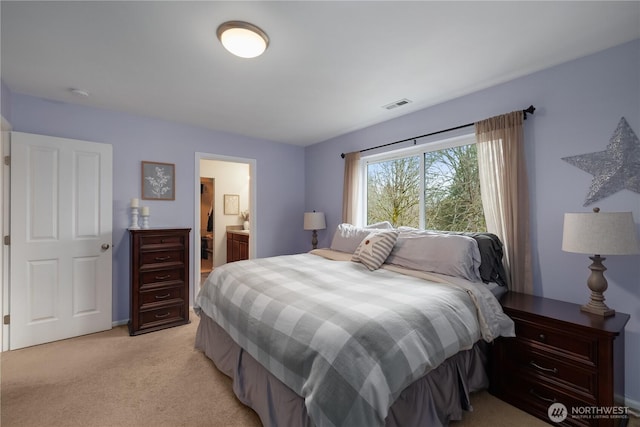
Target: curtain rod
526, 111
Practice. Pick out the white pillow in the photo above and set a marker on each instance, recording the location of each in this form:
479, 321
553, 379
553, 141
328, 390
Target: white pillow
347, 237
374, 249
384, 225
453, 255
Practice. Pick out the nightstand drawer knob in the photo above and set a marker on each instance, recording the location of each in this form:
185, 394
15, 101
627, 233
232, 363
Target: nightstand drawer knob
545, 399
542, 368
542, 337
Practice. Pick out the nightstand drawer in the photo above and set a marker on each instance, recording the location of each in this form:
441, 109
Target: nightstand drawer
537, 397
537, 362
577, 347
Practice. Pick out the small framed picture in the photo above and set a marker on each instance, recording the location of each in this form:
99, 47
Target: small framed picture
158, 181
231, 204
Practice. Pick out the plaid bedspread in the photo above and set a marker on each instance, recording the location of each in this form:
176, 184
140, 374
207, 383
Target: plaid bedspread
346, 339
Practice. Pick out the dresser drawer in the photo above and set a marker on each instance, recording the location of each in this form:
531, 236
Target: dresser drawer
156, 278
155, 240
576, 347
537, 362
161, 296
154, 259
162, 315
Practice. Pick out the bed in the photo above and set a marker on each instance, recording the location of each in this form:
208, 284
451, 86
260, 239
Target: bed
396, 338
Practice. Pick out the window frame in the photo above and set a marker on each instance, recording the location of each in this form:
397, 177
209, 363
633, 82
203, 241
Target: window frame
416, 150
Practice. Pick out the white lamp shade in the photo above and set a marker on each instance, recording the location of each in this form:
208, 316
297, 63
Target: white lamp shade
314, 221
601, 233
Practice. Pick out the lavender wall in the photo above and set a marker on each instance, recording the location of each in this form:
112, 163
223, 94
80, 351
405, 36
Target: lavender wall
5, 101
578, 106
279, 175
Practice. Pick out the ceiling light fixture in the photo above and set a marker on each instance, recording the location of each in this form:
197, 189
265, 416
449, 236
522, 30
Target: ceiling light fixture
243, 39
79, 92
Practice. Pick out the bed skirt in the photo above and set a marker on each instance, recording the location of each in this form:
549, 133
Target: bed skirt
433, 400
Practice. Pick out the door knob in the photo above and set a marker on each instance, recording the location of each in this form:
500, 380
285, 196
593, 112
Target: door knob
105, 246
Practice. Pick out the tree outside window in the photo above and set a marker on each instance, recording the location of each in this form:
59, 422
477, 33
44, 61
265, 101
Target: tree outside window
393, 192
451, 199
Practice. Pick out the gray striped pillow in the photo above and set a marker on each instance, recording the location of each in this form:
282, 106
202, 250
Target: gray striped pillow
375, 248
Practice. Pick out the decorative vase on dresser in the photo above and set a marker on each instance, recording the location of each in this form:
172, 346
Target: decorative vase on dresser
563, 363
159, 296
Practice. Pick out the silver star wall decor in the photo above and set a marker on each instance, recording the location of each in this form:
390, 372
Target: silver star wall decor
614, 169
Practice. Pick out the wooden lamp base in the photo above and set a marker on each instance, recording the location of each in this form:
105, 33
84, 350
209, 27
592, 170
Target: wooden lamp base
598, 284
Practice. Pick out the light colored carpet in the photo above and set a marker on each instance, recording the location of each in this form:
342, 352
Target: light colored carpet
110, 379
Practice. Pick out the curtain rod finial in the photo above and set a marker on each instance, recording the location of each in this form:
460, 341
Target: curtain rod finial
529, 110
342, 155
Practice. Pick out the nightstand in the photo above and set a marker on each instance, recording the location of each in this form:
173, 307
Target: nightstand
560, 355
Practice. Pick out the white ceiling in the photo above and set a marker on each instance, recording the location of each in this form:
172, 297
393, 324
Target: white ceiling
330, 67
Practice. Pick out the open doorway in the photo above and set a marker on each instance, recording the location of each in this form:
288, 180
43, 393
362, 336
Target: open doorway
207, 217
228, 176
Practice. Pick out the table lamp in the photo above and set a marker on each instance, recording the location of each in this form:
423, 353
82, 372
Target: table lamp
599, 233
314, 221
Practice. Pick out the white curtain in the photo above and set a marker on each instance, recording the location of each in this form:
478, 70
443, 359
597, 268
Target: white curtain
350, 192
505, 194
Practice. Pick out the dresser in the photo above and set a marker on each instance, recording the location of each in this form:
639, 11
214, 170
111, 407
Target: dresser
237, 245
159, 279
560, 355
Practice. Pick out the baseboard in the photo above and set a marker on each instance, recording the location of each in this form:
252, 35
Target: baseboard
119, 323
633, 405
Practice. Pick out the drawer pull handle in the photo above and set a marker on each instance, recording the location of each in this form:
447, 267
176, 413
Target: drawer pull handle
162, 241
542, 368
168, 295
166, 276
162, 258
162, 316
542, 337
545, 399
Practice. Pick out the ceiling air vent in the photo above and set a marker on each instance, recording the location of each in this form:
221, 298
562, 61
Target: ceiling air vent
400, 103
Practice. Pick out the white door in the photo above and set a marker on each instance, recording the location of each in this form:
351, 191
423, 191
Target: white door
60, 251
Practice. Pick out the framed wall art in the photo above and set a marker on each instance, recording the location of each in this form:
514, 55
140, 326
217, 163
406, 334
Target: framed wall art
231, 204
158, 181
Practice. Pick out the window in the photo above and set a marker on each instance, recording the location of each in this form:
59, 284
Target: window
393, 191
435, 186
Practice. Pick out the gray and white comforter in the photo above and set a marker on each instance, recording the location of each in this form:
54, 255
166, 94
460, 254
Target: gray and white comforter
346, 339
